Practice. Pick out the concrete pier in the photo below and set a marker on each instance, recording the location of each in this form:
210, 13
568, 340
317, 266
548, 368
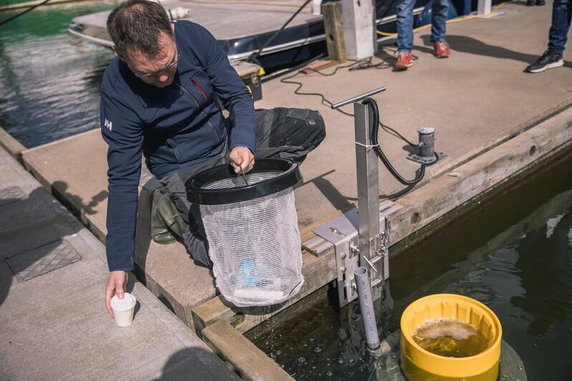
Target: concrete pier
491, 119
54, 324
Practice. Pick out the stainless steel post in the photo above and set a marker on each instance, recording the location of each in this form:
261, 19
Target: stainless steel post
359, 97
368, 196
366, 307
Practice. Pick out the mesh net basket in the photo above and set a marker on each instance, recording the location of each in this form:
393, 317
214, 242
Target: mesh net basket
252, 228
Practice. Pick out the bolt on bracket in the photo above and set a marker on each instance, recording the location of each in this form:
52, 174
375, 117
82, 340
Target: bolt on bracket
342, 232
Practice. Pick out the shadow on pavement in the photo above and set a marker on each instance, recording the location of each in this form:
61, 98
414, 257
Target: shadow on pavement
32, 231
190, 364
471, 45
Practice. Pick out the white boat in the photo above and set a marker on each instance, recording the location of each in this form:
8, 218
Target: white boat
273, 33
242, 27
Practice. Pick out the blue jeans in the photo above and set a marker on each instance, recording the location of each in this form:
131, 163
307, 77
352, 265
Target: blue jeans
439, 9
558, 35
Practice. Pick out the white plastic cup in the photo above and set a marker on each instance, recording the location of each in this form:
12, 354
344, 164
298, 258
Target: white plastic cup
123, 309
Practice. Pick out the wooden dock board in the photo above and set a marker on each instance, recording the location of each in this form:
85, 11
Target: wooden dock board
249, 361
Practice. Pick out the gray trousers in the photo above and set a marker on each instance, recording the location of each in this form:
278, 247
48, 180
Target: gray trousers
285, 133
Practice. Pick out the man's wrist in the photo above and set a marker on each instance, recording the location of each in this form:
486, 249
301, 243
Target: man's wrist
241, 146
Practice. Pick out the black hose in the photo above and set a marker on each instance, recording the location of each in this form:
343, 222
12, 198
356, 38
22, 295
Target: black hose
377, 149
288, 70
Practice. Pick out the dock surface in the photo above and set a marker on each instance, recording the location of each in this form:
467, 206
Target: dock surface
54, 323
477, 100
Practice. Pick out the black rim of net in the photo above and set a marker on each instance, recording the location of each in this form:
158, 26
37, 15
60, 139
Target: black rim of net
196, 192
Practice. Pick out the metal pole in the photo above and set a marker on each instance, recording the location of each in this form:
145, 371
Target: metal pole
366, 307
368, 195
359, 97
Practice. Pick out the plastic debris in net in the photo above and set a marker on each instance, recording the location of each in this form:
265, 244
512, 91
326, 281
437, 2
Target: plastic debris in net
254, 245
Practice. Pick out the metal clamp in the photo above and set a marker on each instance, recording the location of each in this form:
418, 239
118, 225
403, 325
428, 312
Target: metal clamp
343, 234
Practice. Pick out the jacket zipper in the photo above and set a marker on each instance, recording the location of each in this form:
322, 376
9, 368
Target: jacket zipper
199, 87
196, 101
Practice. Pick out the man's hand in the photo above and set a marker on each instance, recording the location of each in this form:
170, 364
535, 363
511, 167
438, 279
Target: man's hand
241, 158
116, 284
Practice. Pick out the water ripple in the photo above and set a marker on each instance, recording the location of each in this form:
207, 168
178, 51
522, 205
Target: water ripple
49, 79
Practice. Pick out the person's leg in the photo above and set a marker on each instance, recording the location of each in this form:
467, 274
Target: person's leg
194, 238
558, 35
288, 133
439, 10
404, 25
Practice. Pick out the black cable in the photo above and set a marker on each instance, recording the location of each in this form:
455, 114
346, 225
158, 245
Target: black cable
279, 73
297, 91
324, 101
384, 64
396, 195
350, 66
254, 56
23, 13
375, 122
393, 132
363, 64
377, 149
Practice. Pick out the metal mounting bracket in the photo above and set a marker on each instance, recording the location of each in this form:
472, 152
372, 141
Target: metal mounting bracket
342, 232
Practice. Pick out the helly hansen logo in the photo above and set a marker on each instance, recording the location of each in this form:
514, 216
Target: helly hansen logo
108, 124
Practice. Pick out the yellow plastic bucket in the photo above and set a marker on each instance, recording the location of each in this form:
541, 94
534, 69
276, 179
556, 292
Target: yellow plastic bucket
419, 364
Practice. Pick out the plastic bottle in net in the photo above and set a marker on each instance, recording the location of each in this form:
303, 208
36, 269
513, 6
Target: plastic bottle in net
255, 249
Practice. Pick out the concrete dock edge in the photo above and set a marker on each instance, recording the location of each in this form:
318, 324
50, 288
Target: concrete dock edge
13, 146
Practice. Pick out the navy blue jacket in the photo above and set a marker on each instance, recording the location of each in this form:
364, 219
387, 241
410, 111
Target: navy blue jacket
175, 127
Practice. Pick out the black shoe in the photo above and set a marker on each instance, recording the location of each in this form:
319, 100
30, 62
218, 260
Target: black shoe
540, 2
548, 60
530, 3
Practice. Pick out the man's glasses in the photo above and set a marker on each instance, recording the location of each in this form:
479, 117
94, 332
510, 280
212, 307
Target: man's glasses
154, 74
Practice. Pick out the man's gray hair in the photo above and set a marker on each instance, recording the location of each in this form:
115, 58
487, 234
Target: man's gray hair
137, 25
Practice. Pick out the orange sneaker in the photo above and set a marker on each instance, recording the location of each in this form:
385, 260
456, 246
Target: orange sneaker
404, 60
441, 49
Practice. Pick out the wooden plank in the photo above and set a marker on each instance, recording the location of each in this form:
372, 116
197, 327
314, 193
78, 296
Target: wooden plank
211, 312
308, 232
318, 246
249, 361
332, 13
318, 65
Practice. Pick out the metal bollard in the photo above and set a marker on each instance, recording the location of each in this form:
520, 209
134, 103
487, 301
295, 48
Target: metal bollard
426, 147
426, 143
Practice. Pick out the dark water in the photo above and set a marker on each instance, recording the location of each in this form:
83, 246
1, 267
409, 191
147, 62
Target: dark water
513, 253
49, 79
